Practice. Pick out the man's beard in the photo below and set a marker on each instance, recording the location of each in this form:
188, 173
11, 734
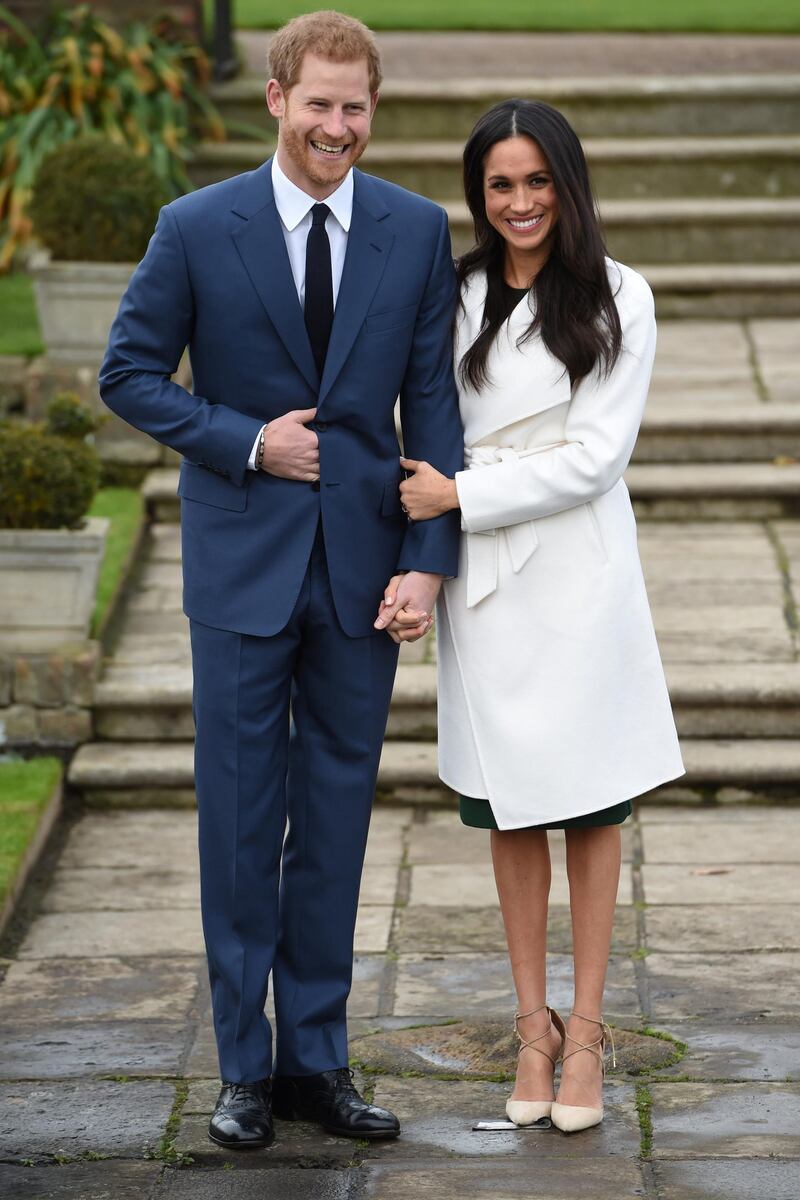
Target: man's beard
298, 150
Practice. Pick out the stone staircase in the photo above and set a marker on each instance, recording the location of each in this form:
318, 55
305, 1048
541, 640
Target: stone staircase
698, 176
698, 181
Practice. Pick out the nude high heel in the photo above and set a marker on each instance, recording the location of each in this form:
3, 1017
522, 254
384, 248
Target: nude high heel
570, 1118
527, 1112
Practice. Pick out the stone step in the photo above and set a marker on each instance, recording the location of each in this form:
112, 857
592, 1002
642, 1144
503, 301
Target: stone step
714, 491
676, 231
602, 107
153, 702
654, 168
724, 290
155, 773
660, 491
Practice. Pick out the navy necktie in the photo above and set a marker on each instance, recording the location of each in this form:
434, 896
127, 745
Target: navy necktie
319, 286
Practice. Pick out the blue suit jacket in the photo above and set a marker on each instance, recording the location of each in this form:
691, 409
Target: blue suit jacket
216, 277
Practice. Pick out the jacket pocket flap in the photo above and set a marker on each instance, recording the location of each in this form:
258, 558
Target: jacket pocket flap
199, 483
395, 318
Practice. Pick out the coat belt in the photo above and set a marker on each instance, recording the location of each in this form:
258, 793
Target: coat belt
483, 548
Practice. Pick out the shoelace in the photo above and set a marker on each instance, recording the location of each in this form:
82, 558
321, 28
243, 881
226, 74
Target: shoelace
344, 1082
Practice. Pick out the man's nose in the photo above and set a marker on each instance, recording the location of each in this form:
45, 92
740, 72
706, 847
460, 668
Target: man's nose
334, 124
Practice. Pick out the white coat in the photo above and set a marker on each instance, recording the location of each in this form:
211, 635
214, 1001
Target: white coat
552, 698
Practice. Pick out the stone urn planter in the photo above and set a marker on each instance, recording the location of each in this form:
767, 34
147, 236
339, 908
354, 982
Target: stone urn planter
50, 548
76, 302
49, 580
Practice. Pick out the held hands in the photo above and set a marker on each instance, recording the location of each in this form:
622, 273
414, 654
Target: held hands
427, 493
406, 611
290, 450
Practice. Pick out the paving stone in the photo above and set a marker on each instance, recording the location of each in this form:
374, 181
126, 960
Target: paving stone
441, 838
378, 885
373, 926
55, 990
63, 1051
723, 1050
731, 883
132, 839
553, 1179
482, 1049
81, 1181
718, 841
386, 832
693, 928
120, 888
718, 1179
726, 985
247, 1182
454, 884
73, 1117
104, 934
450, 929
702, 1120
457, 985
786, 816
436, 1118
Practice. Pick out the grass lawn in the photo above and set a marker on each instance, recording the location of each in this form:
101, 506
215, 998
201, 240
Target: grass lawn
25, 788
19, 324
125, 508
721, 16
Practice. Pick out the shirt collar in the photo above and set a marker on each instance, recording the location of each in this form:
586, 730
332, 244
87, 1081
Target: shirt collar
293, 204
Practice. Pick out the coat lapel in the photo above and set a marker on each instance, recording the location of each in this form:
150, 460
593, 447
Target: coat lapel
368, 245
260, 242
525, 380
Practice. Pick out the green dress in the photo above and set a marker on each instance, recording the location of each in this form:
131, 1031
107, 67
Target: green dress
478, 813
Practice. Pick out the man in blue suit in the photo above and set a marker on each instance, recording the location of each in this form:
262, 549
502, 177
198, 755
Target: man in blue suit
310, 296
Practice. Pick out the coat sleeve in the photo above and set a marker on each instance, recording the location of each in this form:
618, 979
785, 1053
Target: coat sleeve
600, 432
429, 413
152, 328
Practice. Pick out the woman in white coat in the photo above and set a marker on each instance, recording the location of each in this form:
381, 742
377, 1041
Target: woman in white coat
553, 708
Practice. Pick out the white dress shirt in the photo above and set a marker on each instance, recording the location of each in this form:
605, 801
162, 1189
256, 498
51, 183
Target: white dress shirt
294, 209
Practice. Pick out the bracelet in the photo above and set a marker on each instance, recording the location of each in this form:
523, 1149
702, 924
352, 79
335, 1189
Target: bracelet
260, 448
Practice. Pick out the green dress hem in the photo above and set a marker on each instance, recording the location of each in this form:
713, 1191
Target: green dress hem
478, 814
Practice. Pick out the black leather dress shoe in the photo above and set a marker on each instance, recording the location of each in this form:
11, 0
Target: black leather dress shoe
332, 1101
242, 1117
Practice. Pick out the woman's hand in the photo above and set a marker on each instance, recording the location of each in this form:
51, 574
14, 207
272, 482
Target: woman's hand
427, 493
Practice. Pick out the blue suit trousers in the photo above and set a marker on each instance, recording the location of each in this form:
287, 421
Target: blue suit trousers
289, 728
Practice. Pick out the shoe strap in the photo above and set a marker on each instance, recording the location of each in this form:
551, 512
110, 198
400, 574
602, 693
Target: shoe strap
523, 1044
592, 1046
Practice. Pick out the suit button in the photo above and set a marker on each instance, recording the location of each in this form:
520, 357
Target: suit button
315, 486
321, 426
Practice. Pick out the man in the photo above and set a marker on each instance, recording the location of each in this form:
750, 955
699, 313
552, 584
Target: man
310, 296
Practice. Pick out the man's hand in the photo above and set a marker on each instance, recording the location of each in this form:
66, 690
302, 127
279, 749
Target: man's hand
406, 611
290, 450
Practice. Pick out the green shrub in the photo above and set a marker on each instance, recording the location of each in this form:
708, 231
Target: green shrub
144, 87
49, 472
95, 201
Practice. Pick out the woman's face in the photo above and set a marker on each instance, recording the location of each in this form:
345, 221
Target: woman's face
519, 195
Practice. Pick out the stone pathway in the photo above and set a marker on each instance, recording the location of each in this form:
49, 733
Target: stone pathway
109, 1069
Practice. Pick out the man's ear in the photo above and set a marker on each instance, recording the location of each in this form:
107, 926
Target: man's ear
276, 99
373, 104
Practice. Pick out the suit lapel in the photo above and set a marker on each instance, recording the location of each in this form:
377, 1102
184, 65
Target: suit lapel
368, 245
261, 245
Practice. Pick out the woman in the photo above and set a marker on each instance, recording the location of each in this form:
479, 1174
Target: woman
553, 709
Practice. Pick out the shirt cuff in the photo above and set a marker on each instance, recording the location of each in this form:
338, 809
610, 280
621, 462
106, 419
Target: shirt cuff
251, 462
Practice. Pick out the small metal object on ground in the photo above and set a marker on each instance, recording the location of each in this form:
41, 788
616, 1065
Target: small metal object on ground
502, 1126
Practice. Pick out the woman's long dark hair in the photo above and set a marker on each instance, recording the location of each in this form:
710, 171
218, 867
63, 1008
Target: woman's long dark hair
575, 311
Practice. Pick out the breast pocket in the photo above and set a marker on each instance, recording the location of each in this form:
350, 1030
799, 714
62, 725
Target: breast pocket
205, 487
393, 318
